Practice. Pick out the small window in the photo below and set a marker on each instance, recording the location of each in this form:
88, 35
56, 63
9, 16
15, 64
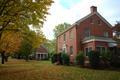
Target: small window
71, 49
64, 37
99, 22
87, 32
91, 21
106, 34
87, 50
70, 35
100, 49
64, 50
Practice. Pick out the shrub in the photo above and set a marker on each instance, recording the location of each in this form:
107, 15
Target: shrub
59, 58
54, 58
105, 58
94, 58
80, 58
106, 55
65, 59
115, 61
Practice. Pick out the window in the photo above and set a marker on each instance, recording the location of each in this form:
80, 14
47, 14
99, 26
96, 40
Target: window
70, 35
100, 49
106, 34
71, 49
64, 37
99, 22
64, 50
87, 50
87, 32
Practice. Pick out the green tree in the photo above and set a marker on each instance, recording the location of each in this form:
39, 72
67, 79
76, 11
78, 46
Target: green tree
60, 28
31, 41
50, 45
116, 29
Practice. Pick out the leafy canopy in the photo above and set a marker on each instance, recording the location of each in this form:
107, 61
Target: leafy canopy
60, 28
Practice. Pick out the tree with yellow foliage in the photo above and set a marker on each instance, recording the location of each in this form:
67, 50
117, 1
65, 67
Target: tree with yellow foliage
9, 43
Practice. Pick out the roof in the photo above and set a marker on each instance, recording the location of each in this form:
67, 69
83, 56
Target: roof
96, 38
41, 49
84, 18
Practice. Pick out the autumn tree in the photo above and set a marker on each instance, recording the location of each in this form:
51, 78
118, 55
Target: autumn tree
10, 42
19, 14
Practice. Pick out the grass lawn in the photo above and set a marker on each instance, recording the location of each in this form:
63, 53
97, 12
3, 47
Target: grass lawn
44, 70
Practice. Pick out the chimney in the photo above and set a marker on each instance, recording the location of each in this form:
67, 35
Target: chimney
93, 9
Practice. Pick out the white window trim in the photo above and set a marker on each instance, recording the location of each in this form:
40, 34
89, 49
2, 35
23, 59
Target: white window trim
88, 50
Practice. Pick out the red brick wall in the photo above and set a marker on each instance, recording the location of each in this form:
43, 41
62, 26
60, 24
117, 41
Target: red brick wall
78, 32
69, 42
94, 44
96, 29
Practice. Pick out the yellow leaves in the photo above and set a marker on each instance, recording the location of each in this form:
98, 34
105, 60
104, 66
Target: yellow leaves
10, 41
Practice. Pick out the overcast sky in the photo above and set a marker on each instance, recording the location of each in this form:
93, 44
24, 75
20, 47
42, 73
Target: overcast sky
72, 10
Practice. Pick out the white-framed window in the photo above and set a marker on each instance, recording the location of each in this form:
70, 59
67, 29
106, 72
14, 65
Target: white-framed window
100, 49
106, 34
70, 34
87, 32
71, 49
64, 36
87, 50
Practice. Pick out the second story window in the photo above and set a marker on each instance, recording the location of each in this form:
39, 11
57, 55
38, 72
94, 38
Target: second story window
64, 37
70, 35
106, 34
87, 32
71, 49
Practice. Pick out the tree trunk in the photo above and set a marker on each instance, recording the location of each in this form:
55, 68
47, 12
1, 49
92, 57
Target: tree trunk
27, 58
6, 58
3, 57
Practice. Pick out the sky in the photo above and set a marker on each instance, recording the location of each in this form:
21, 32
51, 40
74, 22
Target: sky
72, 10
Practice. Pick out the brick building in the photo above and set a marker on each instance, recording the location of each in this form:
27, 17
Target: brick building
92, 32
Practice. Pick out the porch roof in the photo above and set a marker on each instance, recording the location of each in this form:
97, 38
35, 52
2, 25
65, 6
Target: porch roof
96, 38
